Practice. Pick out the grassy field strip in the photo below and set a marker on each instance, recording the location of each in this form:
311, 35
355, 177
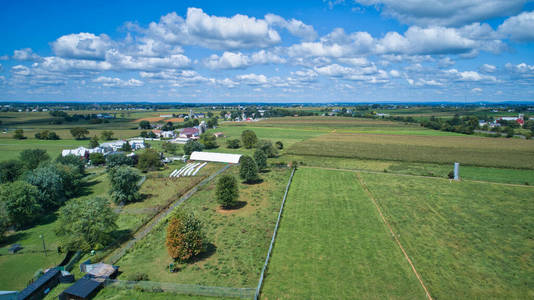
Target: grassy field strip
145, 230
420, 176
260, 282
331, 244
393, 234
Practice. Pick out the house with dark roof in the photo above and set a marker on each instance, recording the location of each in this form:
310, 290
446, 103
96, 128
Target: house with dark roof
85, 288
42, 286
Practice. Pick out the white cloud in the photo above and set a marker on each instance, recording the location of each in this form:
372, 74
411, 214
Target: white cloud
522, 70
25, 54
486, 68
20, 70
476, 90
470, 76
334, 70
446, 12
117, 82
253, 79
127, 62
295, 27
237, 60
82, 46
394, 73
213, 32
519, 28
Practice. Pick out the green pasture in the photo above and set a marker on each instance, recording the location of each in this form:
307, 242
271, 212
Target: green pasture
467, 240
332, 244
237, 239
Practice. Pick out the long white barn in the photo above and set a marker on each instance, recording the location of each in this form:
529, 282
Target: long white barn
215, 157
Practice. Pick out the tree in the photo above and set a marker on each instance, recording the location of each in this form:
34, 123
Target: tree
21, 203
267, 147
185, 237
149, 160
31, 158
144, 125
49, 182
93, 143
42, 135
248, 170
85, 224
53, 136
72, 160
169, 147
10, 170
509, 132
279, 145
227, 191
79, 133
19, 134
118, 159
208, 140
212, 122
126, 147
97, 159
72, 179
233, 144
249, 138
4, 220
124, 186
107, 135
143, 134
261, 159
192, 146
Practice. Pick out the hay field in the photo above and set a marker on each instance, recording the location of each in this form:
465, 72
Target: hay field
468, 150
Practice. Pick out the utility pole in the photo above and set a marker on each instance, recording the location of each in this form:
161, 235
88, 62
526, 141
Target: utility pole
44, 247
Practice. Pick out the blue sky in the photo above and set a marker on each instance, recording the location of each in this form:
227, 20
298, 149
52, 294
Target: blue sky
271, 51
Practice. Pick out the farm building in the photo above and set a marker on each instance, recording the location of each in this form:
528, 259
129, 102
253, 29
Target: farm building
190, 132
164, 134
215, 157
81, 151
41, 287
179, 140
85, 288
117, 145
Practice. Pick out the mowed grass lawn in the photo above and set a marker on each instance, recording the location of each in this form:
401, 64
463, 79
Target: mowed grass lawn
237, 239
10, 148
332, 244
468, 150
467, 240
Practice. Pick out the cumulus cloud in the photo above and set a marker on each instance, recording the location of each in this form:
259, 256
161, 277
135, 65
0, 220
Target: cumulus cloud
117, 82
82, 46
476, 90
199, 28
20, 70
237, 60
295, 27
472, 76
522, 70
486, 68
519, 28
25, 54
253, 79
446, 12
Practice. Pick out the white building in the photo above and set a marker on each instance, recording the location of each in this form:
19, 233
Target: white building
81, 151
215, 157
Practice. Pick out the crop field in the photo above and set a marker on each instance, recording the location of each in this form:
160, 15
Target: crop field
468, 150
238, 239
332, 244
10, 149
467, 240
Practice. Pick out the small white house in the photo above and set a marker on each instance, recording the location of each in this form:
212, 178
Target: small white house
81, 151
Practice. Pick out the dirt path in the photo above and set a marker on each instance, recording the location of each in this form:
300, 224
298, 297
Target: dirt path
364, 186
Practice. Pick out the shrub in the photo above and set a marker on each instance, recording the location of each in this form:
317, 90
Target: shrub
118, 159
267, 147
185, 237
19, 134
233, 144
73, 160
138, 276
10, 170
261, 159
279, 145
149, 160
248, 170
249, 138
227, 191
97, 159
31, 158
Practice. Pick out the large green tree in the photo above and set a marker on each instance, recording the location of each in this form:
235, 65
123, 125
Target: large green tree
4, 220
19, 134
192, 146
124, 186
49, 181
10, 170
86, 224
118, 159
31, 158
72, 160
249, 138
208, 140
93, 142
79, 133
185, 236
267, 147
261, 159
227, 191
21, 203
144, 125
248, 170
107, 135
149, 160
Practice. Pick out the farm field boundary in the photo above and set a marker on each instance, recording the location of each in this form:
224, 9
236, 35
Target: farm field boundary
411, 175
364, 186
260, 282
144, 231
183, 289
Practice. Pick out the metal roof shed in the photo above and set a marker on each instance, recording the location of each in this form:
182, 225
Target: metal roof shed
41, 287
215, 157
85, 288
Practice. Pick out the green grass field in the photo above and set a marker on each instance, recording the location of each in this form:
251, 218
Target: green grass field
332, 245
467, 240
468, 150
238, 239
